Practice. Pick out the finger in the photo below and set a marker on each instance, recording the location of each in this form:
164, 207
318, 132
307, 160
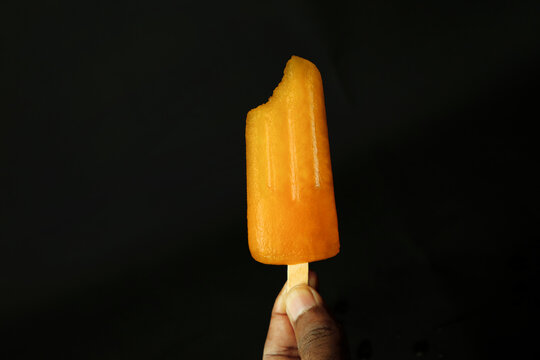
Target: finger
317, 334
313, 280
280, 342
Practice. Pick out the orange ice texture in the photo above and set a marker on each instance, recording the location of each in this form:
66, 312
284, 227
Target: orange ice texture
290, 192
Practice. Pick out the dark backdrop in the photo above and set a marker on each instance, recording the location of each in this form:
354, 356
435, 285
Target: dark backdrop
123, 217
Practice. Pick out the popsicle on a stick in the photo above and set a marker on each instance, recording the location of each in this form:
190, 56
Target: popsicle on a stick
290, 193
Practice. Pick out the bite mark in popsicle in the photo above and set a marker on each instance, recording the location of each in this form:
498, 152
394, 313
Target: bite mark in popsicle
291, 209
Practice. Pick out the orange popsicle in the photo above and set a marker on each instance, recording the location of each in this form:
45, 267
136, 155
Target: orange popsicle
290, 192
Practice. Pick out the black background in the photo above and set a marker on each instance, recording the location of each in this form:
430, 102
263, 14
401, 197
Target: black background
123, 220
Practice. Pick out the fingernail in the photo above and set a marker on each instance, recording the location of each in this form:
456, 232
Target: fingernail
299, 300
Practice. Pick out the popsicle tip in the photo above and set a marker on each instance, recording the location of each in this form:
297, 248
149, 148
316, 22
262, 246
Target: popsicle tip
296, 58
294, 63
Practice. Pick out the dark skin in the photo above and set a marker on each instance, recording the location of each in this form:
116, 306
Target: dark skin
301, 327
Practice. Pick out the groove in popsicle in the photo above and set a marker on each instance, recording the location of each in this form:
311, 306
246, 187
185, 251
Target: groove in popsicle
314, 138
269, 162
292, 151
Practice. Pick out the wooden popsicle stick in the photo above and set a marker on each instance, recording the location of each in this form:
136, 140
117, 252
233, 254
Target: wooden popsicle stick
297, 274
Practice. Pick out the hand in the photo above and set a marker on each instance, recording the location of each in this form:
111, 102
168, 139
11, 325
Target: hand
301, 328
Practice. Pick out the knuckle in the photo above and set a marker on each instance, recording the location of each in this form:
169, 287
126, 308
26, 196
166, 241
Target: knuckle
282, 353
319, 334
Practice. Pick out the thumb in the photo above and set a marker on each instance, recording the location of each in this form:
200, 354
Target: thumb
317, 334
